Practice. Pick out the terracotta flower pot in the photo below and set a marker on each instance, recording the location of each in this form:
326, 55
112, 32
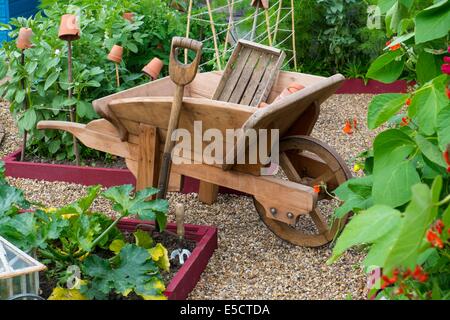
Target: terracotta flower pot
69, 29
262, 3
24, 39
153, 68
128, 16
116, 53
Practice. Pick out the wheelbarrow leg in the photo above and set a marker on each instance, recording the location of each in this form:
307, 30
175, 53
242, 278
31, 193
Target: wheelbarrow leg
207, 192
148, 158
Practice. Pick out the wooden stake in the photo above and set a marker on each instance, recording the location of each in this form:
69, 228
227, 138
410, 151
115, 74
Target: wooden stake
280, 6
230, 23
293, 35
255, 21
117, 75
25, 105
72, 108
216, 48
188, 30
268, 26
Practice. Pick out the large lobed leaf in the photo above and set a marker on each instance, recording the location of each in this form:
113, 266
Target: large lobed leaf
394, 172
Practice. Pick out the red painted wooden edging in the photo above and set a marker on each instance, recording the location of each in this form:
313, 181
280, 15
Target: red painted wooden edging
107, 177
86, 176
355, 86
188, 275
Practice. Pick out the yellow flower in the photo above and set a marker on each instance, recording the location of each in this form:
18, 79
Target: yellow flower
357, 167
49, 210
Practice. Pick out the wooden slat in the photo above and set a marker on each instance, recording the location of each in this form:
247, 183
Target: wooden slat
269, 78
246, 75
235, 75
256, 79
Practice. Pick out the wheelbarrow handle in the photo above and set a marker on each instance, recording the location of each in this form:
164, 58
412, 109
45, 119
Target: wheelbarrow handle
180, 73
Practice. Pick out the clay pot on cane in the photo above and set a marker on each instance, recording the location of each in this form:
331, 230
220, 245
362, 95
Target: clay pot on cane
116, 53
24, 39
68, 28
262, 3
153, 68
128, 16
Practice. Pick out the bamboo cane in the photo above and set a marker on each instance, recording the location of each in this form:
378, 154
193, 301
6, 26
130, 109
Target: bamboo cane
255, 21
25, 105
293, 35
268, 26
117, 75
230, 23
72, 108
213, 28
277, 23
188, 30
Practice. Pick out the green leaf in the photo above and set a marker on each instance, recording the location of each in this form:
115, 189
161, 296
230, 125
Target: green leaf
20, 96
53, 146
51, 79
426, 104
394, 174
160, 255
443, 128
387, 67
446, 216
132, 47
31, 67
85, 109
430, 151
11, 197
417, 218
130, 272
433, 22
28, 120
117, 245
383, 107
366, 227
143, 239
427, 67
356, 194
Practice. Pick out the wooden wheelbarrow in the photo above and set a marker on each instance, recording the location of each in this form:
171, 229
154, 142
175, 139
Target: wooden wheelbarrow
134, 123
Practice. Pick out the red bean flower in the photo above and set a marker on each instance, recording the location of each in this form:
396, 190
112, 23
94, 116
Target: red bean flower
316, 188
348, 129
447, 159
405, 122
419, 274
395, 47
434, 239
445, 68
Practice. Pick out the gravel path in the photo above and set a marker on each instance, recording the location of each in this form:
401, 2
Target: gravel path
11, 140
251, 263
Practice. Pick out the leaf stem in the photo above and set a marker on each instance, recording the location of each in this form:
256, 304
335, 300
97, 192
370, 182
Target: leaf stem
107, 230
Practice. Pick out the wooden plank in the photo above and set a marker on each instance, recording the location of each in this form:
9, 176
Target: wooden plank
256, 79
235, 75
245, 77
148, 162
207, 192
228, 69
269, 78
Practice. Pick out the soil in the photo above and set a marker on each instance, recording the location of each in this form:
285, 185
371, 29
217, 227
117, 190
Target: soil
169, 240
117, 163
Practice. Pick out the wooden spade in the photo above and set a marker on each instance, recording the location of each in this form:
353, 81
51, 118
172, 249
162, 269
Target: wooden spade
181, 74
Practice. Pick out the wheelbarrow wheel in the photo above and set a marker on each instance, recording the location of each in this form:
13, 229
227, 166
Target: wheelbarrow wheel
311, 162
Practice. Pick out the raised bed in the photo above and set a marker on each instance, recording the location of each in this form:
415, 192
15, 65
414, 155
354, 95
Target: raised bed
187, 277
355, 86
86, 176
